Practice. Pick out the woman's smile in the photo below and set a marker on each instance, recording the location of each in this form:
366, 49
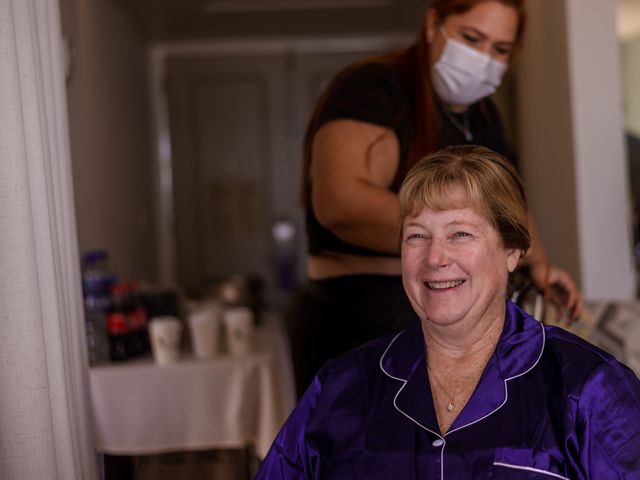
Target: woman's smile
443, 285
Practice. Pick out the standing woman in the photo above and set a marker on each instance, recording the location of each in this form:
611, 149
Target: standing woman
376, 119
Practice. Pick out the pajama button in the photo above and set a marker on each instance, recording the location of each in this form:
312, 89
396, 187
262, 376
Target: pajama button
437, 442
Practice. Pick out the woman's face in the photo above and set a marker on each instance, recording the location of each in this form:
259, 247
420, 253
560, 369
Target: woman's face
490, 27
454, 267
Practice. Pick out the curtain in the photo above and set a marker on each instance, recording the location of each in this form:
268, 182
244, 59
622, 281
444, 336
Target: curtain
45, 426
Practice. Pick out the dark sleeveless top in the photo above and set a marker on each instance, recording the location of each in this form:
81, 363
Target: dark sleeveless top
377, 94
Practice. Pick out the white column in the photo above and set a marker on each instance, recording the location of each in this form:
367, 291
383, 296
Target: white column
602, 186
571, 143
45, 428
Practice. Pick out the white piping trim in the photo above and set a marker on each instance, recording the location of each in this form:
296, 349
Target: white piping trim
506, 397
530, 469
404, 384
383, 355
506, 390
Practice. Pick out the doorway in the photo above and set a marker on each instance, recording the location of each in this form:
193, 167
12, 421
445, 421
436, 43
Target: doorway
236, 125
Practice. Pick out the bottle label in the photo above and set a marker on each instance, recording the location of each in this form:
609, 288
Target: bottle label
137, 319
117, 323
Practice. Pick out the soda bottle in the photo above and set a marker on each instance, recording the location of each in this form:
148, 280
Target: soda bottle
127, 323
137, 320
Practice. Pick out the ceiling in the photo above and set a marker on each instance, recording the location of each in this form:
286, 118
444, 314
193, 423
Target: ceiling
166, 20
163, 20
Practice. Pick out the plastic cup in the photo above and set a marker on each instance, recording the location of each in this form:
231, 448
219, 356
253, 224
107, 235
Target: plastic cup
165, 333
204, 325
238, 322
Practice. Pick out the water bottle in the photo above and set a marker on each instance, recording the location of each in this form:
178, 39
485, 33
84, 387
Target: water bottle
96, 285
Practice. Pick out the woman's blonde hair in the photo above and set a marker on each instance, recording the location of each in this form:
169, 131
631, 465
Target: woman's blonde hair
470, 176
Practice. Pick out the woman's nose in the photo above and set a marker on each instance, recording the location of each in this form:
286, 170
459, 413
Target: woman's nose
436, 255
485, 47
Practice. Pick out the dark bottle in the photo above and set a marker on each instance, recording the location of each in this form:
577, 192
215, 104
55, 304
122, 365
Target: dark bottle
138, 321
127, 323
97, 281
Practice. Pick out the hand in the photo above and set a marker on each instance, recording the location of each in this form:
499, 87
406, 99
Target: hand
561, 290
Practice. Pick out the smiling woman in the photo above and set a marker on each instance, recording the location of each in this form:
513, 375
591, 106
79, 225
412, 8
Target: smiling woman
479, 389
464, 229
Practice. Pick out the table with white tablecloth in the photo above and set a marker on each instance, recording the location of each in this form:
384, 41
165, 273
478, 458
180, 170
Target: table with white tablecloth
227, 402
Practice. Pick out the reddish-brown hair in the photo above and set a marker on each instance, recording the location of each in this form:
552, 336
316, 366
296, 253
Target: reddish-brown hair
413, 65
444, 8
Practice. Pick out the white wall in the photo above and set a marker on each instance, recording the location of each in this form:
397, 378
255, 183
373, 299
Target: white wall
631, 82
545, 132
570, 113
604, 223
110, 146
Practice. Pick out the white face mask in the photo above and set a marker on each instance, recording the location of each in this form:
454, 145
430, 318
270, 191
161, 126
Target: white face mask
463, 75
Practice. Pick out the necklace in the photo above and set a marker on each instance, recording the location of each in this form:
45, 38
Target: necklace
463, 127
450, 406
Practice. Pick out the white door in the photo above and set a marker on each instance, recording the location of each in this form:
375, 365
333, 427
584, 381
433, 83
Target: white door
226, 118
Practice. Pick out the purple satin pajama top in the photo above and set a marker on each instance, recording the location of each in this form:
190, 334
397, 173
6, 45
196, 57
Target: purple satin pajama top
548, 406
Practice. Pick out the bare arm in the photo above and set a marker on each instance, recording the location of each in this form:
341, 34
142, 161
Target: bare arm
354, 163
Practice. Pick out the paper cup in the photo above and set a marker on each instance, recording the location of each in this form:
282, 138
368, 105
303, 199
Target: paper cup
165, 333
238, 322
204, 326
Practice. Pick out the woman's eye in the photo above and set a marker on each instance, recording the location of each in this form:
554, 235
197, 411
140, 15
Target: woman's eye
503, 51
412, 237
471, 38
461, 234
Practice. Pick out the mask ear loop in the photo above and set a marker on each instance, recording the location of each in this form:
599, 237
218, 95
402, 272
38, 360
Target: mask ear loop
444, 32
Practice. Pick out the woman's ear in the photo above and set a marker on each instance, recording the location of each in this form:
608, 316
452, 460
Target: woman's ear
430, 24
513, 257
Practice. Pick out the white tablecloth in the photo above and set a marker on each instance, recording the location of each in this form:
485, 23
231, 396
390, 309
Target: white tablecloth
140, 408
